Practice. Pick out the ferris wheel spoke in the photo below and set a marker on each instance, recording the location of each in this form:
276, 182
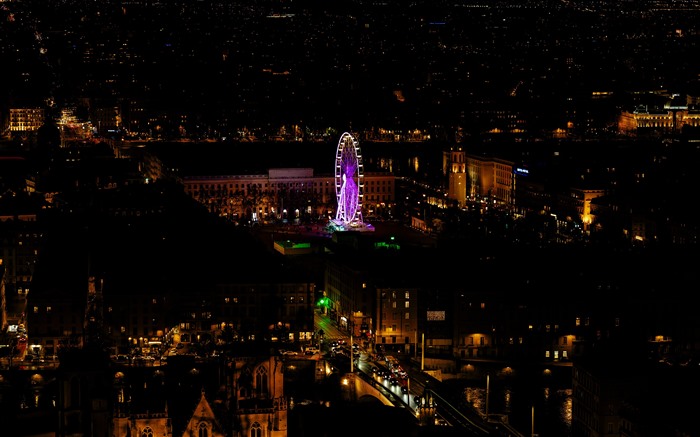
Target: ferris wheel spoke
348, 180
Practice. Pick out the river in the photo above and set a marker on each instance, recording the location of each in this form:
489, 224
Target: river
538, 396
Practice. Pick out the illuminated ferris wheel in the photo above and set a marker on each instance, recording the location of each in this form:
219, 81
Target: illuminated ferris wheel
349, 181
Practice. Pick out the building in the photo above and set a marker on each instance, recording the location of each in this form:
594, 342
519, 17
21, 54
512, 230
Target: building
677, 113
257, 403
455, 166
287, 194
397, 319
490, 178
26, 119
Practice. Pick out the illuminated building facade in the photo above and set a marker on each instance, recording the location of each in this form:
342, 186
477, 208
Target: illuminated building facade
26, 119
490, 178
397, 319
258, 404
455, 165
283, 193
677, 113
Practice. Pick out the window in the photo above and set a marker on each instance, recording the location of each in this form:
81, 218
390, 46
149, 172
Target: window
203, 430
256, 430
407, 316
408, 295
261, 381
147, 432
407, 304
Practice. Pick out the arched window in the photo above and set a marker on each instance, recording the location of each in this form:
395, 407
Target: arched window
261, 381
203, 430
256, 430
147, 432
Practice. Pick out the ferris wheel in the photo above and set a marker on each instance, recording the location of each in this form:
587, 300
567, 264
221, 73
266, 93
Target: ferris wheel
349, 181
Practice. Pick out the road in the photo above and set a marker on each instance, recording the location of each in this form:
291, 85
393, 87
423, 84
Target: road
423, 390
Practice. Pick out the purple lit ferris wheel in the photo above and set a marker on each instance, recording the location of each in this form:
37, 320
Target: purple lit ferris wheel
348, 181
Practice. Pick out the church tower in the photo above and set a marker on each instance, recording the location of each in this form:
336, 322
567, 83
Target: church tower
84, 380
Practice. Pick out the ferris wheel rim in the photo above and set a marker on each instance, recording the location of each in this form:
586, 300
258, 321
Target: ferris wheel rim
349, 208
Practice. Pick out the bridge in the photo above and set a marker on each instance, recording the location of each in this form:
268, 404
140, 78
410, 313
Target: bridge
356, 386
359, 385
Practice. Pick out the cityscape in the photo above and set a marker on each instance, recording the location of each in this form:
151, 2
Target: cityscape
303, 218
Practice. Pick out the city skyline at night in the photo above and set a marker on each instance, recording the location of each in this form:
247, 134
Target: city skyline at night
242, 218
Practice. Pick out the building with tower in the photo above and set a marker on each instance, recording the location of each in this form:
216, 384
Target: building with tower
455, 166
478, 176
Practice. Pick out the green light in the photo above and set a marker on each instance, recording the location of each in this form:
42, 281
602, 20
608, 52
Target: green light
323, 302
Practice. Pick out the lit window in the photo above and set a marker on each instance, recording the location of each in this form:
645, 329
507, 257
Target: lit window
483, 305
578, 321
48, 309
407, 316
407, 304
408, 295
